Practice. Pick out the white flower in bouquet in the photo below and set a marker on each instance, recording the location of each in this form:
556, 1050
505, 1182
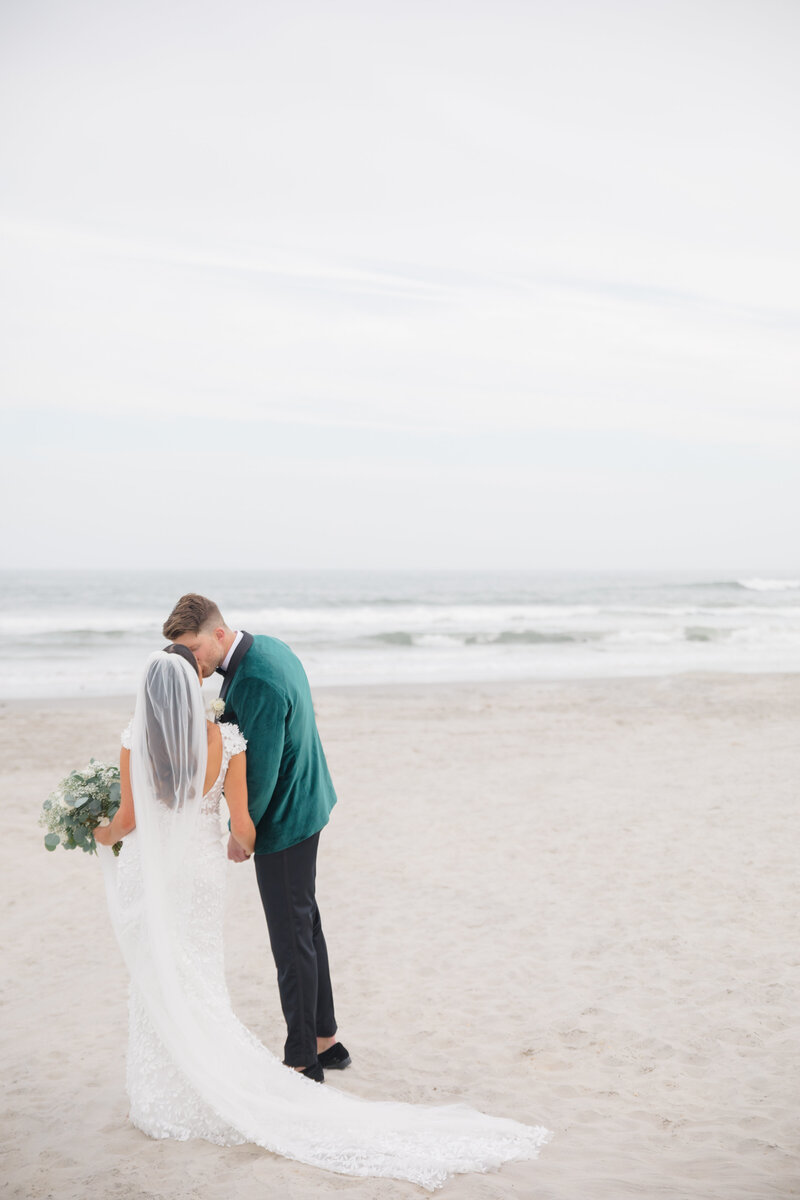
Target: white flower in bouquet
81, 802
215, 709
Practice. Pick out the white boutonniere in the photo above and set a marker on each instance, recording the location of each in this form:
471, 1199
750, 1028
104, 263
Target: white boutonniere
215, 709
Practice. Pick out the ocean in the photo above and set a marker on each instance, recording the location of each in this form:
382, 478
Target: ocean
87, 633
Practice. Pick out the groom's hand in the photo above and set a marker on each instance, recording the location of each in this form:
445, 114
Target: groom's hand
235, 851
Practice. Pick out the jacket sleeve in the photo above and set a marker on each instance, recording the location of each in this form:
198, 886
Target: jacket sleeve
261, 710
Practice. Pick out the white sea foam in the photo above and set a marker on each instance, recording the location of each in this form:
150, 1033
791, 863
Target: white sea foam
770, 585
418, 618
645, 637
439, 640
54, 621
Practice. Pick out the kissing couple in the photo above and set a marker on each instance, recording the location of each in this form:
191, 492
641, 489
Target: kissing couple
194, 1070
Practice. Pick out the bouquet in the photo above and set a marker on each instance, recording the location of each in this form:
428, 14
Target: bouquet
81, 802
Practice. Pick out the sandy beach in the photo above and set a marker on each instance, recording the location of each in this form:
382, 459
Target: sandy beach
571, 903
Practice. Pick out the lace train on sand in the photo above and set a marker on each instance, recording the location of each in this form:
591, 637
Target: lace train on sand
201, 1074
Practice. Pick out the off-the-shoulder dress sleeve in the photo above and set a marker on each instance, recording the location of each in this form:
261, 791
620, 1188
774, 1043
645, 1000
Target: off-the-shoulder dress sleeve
125, 737
233, 740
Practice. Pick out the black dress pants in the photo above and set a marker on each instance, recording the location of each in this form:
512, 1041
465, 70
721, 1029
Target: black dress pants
287, 882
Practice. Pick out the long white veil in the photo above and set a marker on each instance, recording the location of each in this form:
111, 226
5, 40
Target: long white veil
149, 894
153, 903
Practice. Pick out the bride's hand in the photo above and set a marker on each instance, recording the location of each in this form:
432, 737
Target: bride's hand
101, 833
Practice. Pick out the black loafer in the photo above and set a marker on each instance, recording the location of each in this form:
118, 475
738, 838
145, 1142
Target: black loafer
314, 1072
335, 1059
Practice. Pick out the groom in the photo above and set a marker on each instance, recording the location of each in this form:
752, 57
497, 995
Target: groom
290, 796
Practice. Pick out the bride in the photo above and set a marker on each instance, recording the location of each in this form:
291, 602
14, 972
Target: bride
193, 1070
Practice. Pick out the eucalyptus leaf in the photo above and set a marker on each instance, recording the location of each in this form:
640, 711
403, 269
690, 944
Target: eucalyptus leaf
52, 840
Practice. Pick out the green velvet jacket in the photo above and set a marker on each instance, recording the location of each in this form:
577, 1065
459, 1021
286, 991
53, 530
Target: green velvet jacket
289, 788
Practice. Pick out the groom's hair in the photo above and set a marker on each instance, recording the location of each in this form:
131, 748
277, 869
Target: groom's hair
191, 614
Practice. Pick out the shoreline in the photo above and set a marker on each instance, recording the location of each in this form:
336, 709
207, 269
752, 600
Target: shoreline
430, 687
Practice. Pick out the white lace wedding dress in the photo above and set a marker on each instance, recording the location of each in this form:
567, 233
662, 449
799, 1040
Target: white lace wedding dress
163, 1103
194, 1071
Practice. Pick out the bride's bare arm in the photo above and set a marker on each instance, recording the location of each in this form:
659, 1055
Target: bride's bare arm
243, 831
124, 819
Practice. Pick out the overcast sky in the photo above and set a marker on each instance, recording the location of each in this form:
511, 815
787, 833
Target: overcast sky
408, 284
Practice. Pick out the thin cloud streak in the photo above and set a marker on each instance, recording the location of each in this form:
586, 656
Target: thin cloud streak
403, 369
